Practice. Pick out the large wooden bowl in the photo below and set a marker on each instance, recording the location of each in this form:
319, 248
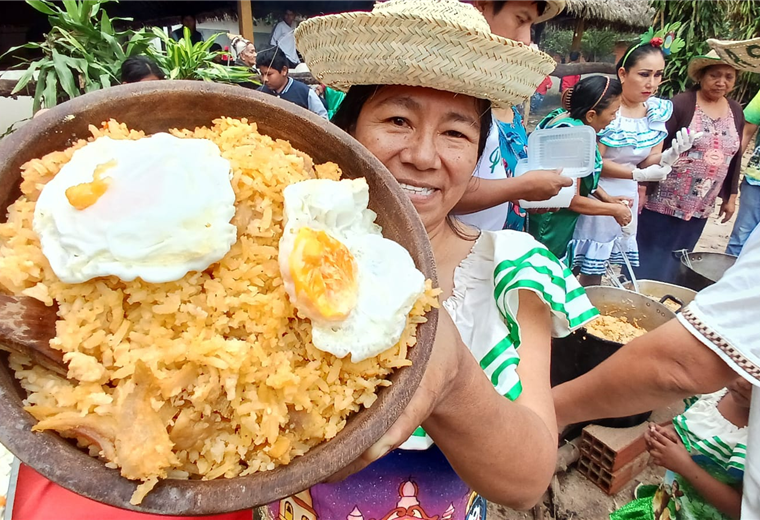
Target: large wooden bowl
157, 106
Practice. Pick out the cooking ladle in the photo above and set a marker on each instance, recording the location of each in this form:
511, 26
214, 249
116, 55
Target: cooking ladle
26, 327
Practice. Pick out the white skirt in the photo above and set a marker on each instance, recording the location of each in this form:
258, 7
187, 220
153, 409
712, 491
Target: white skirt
599, 240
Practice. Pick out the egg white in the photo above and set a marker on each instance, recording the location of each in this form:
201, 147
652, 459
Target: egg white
166, 211
388, 283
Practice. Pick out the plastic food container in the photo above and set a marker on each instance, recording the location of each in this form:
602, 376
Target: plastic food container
572, 149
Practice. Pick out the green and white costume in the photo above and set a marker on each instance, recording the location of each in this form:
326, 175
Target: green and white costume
714, 443
485, 301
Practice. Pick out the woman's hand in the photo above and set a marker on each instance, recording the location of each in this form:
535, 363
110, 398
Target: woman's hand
543, 184
727, 209
627, 201
642, 198
622, 214
666, 448
441, 370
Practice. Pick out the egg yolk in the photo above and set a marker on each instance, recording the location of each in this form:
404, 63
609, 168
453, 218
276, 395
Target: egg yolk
324, 273
86, 194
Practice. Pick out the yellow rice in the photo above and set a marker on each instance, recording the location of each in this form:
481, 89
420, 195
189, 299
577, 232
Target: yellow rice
229, 376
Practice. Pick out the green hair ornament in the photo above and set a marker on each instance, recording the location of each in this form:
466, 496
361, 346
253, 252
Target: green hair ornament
665, 39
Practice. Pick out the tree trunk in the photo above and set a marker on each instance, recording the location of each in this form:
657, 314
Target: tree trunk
580, 26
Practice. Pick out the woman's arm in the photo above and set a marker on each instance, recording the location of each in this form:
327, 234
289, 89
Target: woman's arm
749, 131
504, 450
670, 453
655, 154
483, 194
592, 206
613, 170
511, 447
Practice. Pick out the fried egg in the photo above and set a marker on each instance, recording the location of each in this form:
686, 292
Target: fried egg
155, 208
355, 286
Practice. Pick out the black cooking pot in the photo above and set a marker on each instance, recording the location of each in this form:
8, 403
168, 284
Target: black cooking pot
581, 351
699, 270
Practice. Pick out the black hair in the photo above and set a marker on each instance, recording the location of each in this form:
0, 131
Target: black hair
137, 68
590, 93
187, 15
498, 6
635, 53
272, 58
348, 113
574, 55
215, 47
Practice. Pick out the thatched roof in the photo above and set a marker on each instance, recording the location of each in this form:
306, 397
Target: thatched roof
629, 13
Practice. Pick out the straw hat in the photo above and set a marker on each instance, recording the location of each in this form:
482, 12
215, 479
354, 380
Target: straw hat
441, 44
697, 63
553, 8
740, 54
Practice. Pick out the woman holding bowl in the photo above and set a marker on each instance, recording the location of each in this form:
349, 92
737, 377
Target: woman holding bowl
485, 399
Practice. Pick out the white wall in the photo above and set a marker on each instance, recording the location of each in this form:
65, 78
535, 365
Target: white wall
13, 110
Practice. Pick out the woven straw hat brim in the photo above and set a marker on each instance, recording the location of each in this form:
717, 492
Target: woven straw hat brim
701, 62
362, 48
742, 54
553, 8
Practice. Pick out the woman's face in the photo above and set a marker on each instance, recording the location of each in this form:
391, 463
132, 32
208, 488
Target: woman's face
248, 55
644, 77
717, 81
601, 120
428, 139
513, 20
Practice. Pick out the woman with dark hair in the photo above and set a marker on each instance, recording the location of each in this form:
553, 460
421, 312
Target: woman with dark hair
630, 146
678, 207
426, 119
594, 101
140, 68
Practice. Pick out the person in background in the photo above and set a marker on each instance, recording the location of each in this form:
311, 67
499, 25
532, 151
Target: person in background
703, 451
332, 98
631, 147
709, 343
282, 37
490, 203
748, 217
273, 66
593, 101
140, 68
570, 81
188, 22
245, 51
677, 208
537, 99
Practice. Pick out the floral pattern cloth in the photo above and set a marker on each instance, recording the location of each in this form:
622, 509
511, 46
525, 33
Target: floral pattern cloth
691, 188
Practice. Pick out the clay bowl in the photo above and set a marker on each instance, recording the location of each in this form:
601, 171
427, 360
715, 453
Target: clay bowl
157, 106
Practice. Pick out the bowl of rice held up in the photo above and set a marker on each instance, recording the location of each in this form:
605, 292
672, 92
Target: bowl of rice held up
235, 326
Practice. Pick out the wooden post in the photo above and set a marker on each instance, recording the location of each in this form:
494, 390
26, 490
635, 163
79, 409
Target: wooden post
578, 34
245, 19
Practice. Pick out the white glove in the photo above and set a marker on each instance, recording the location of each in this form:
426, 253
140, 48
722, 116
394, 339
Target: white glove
654, 173
682, 143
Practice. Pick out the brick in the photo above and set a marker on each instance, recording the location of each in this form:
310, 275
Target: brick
610, 482
613, 448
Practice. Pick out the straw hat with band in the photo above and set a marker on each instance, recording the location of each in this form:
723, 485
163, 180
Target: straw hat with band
441, 44
743, 55
697, 63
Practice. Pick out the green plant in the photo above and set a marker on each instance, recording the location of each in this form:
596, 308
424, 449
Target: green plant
745, 18
184, 60
699, 21
596, 44
82, 52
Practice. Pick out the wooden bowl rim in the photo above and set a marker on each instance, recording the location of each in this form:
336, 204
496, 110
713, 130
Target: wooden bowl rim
64, 464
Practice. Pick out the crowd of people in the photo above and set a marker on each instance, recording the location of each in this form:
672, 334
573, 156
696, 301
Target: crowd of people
485, 421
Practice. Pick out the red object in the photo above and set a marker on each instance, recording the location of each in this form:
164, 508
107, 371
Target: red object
569, 81
545, 85
37, 498
656, 41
